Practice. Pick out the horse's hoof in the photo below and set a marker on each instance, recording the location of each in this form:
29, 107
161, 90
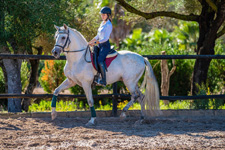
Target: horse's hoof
91, 123
139, 122
54, 115
122, 115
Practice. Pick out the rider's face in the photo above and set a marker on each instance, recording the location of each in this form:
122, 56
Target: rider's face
104, 16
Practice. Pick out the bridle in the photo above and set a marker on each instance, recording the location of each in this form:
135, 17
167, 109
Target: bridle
68, 40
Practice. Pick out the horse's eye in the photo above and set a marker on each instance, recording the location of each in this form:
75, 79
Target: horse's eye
63, 37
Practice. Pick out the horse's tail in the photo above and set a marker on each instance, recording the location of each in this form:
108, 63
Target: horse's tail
151, 99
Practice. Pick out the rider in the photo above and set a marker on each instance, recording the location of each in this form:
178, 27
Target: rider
102, 39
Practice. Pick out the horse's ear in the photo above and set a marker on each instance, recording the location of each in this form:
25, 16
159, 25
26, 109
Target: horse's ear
65, 26
57, 28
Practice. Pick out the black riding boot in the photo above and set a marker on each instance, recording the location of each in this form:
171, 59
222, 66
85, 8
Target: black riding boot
103, 73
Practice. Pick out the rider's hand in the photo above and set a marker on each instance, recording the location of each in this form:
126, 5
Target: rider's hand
91, 43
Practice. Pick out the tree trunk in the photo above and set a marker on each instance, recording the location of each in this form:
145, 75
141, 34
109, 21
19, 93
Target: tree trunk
208, 28
13, 67
166, 74
32, 80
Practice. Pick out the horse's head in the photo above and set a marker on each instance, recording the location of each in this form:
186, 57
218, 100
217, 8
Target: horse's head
62, 40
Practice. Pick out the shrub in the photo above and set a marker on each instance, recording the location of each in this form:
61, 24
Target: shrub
52, 75
206, 103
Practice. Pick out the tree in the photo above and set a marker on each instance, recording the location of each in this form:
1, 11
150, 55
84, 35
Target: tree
211, 20
21, 22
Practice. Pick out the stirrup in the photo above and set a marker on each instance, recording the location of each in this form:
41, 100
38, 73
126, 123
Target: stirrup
99, 83
102, 83
97, 78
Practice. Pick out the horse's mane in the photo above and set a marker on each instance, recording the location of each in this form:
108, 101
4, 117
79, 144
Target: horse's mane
81, 37
79, 34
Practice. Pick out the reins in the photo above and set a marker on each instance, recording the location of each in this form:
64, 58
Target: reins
88, 48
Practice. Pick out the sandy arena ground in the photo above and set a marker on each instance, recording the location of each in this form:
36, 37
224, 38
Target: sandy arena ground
113, 133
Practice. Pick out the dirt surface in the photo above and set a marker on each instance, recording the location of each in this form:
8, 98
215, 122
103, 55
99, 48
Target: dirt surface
113, 133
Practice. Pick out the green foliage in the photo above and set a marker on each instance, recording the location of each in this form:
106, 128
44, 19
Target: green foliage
26, 19
160, 36
104, 106
216, 72
25, 72
186, 34
206, 103
2, 82
134, 40
60, 106
104, 3
201, 103
217, 104
191, 6
175, 105
28, 23
186, 104
65, 106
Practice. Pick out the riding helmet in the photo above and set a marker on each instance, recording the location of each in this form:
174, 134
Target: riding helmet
105, 10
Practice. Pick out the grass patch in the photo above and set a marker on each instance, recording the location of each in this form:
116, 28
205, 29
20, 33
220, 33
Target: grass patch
63, 106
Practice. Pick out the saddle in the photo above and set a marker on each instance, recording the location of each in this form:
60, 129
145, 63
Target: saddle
109, 58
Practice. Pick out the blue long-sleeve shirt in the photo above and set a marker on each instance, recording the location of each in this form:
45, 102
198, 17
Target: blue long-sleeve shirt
104, 32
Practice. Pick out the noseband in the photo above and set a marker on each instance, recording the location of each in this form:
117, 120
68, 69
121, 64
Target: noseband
67, 40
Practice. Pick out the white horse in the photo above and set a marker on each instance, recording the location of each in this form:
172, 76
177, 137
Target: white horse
127, 67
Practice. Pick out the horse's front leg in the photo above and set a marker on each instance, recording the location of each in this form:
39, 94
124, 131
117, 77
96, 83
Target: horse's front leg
88, 91
65, 85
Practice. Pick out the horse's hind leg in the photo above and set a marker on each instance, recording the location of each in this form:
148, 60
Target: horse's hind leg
135, 96
140, 99
131, 82
133, 99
